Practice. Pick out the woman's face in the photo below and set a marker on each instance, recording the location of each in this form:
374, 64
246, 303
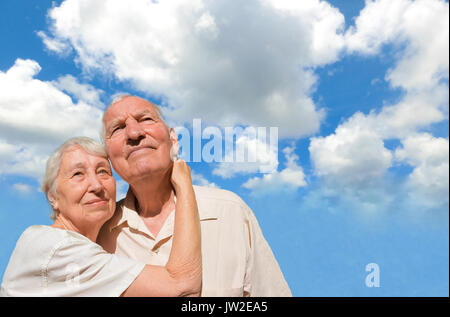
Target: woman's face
85, 189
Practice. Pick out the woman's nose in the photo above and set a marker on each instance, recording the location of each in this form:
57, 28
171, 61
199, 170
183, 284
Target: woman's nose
95, 184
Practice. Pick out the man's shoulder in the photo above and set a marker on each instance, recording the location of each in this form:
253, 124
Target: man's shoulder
216, 202
217, 194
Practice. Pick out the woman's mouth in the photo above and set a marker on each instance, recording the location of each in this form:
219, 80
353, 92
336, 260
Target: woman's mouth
96, 202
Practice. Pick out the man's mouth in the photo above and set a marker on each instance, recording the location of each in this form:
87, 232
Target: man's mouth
133, 150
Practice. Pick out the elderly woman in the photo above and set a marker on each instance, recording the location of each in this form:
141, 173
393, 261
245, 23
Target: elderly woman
64, 260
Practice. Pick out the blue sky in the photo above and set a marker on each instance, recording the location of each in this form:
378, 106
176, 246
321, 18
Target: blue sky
358, 91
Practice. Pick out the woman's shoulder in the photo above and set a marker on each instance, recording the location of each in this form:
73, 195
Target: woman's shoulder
32, 251
41, 257
41, 238
41, 233
36, 238
39, 244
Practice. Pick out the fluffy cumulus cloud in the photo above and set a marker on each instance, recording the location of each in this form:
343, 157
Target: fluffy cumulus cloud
229, 62
200, 180
419, 28
36, 117
350, 156
22, 188
419, 31
250, 154
355, 153
289, 178
84, 92
429, 181
248, 63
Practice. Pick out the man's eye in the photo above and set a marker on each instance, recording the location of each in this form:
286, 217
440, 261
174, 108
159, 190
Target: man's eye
147, 119
103, 171
115, 129
77, 174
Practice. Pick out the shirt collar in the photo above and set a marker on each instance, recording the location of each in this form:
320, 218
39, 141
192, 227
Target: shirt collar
126, 212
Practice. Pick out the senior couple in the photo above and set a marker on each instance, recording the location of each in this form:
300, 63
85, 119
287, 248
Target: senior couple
165, 238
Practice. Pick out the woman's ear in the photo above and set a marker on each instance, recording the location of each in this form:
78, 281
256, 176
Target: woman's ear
53, 201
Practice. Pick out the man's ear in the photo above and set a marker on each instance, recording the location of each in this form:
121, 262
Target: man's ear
175, 145
173, 135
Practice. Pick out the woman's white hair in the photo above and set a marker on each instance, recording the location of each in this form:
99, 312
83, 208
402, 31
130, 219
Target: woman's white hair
49, 183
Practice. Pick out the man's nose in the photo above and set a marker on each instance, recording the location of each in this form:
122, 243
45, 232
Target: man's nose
134, 130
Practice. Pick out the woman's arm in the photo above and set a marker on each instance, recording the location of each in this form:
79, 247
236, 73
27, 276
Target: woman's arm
182, 275
185, 260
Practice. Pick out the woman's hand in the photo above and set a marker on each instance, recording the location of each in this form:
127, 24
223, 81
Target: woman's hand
181, 175
185, 260
182, 274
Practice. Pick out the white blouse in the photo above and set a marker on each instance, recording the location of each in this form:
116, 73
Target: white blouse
53, 262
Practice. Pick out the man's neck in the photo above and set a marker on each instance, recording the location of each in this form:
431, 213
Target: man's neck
154, 196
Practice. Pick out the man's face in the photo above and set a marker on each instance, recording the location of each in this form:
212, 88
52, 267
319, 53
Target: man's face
137, 140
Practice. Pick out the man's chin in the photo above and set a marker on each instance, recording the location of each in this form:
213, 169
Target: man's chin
146, 170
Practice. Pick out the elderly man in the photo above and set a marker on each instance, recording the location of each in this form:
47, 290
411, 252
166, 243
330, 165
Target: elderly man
237, 261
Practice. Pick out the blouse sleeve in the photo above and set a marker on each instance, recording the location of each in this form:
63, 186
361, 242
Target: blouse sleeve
80, 267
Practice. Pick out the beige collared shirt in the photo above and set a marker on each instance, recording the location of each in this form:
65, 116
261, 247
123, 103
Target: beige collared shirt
237, 261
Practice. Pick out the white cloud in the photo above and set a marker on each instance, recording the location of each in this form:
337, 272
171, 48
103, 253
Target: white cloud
290, 178
54, 45
200, 180
324, 22
354, 156
230, 62
82, 92
420, 29
207, 25
429, 181
351, 156
250, 155
22, 188
242, 62
419, 32
7, 151
35, 118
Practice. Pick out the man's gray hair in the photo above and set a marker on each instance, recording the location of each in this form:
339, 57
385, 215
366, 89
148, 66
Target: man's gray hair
120, 97
49, 183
